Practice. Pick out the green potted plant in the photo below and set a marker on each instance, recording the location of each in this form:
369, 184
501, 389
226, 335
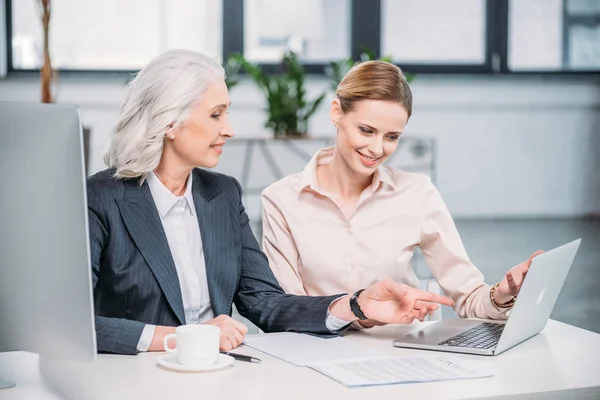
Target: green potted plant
288, 109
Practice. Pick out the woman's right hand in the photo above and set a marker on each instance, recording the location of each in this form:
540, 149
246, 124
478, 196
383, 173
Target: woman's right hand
419, 312
232, 332
389, 302
394, 303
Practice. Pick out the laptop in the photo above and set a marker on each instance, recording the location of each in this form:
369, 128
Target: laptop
528, 317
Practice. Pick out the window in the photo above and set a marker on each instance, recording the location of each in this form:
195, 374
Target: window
422, 36
434, 32
317, 30
113, 34
554, 35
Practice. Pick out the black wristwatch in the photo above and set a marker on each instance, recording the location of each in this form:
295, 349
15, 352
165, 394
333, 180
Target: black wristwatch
355, 308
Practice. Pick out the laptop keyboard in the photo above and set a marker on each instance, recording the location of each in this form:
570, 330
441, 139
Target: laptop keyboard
483, 336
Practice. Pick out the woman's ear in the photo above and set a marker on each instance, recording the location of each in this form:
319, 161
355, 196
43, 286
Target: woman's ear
169, 132
336, 112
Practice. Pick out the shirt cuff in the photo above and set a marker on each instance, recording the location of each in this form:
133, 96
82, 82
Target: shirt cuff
146, 338
333, 323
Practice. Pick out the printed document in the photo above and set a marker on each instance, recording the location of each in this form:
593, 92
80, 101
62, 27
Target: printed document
392, 370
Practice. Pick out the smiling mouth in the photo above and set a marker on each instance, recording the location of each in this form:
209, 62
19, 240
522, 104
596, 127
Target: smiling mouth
370, 159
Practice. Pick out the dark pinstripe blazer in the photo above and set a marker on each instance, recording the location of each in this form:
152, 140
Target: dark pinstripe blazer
134, 276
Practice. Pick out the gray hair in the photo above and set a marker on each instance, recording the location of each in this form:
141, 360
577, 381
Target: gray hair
162, 93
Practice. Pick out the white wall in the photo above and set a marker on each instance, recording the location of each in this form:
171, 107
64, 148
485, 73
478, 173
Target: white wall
506, 146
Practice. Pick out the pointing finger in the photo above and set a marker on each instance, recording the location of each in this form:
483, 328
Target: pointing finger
432, 297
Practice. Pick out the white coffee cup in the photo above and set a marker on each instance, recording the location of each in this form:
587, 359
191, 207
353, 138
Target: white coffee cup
197, 345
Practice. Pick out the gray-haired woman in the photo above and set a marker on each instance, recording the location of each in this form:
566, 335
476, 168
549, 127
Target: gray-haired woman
171, 243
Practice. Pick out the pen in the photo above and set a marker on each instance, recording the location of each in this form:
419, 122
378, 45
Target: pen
242, 357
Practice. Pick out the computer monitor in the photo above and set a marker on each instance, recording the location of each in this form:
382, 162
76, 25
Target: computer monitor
46, 303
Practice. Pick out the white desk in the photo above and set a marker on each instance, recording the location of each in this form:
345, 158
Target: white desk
562, 362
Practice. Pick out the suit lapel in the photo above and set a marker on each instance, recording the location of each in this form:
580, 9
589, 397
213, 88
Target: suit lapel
145, 227
218, 242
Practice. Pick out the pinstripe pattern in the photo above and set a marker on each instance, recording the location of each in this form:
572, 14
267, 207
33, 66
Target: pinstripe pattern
134, 276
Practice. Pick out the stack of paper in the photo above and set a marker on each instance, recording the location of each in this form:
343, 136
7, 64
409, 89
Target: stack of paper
353, 364
390, 370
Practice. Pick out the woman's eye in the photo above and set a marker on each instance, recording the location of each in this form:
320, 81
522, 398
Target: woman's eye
365, 131
393, 138
219, 115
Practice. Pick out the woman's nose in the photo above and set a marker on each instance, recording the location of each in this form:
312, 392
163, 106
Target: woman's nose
228, 132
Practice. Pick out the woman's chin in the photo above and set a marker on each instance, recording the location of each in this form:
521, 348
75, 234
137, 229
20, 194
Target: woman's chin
207, 165
362, 171
208, 161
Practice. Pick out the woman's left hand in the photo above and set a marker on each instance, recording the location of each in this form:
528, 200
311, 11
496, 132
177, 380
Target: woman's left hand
513, 280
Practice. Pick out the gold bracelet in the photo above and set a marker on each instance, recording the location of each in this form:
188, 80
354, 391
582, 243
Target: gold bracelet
509, 304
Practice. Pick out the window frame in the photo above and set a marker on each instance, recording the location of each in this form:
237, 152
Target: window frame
568, 21
369, 35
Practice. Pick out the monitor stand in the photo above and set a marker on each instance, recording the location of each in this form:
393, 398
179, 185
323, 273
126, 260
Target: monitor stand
6, 384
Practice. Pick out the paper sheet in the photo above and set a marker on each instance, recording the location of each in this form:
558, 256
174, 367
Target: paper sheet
391, 370
301, 350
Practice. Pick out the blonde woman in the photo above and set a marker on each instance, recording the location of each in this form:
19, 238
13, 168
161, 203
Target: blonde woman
347, 221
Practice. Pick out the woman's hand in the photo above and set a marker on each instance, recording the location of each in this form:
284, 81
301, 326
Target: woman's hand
389, 302
513, 280
232, 332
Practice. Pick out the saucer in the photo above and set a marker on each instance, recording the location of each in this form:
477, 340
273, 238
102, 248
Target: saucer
170, 361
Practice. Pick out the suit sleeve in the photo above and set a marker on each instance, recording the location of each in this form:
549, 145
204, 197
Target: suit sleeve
260, 298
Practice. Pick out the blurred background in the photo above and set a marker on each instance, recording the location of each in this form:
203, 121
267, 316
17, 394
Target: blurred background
506, 114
